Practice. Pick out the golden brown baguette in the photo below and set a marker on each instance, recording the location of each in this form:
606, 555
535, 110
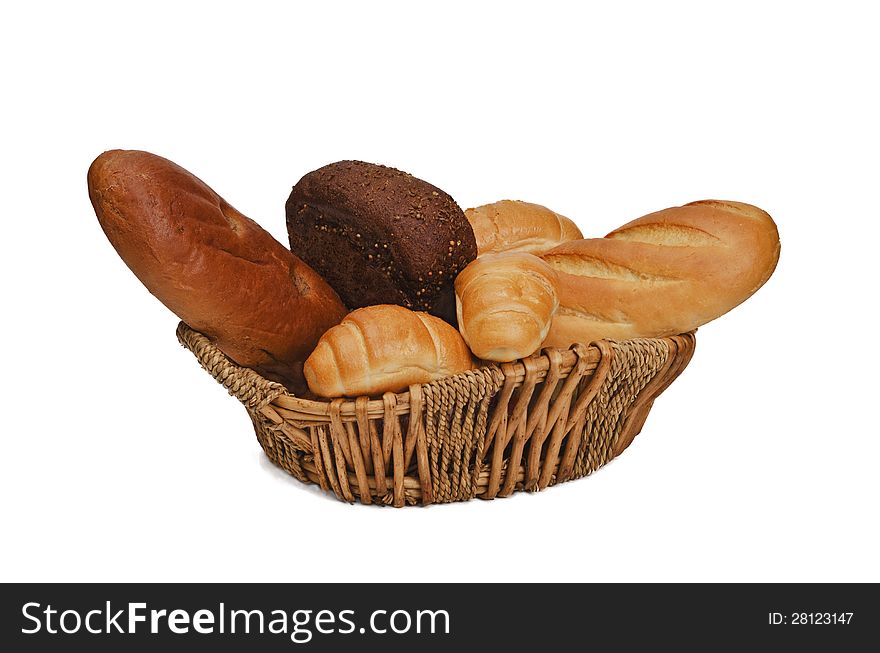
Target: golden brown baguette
662, 274
514, 226
505, 302
384, 348
218, 270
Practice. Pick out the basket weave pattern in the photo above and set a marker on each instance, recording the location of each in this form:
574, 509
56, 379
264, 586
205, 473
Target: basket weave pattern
546, 419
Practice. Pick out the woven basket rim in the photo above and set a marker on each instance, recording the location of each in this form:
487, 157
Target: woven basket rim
541, 360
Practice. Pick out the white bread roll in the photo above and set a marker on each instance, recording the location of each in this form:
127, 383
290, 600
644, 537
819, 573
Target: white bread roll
384, 348
662, 274
514, 226
505, 303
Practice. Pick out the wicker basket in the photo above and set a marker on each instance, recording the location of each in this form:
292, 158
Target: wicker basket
549, 418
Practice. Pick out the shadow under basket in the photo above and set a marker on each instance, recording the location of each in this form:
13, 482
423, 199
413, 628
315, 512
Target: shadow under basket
553, 417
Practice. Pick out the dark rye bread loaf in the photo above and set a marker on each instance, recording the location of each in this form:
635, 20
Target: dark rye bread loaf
218, 270
380, 236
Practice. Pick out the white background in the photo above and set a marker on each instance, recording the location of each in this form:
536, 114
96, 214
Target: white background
122, 460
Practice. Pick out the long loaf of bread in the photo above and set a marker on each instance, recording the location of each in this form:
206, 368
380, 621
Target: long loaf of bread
662, 274
218, 270
515, 226
384, 348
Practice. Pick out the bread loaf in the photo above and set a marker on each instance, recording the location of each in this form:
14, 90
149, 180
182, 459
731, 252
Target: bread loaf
505, 303
380, 236
213, 267
384, 348
662, 274
514, 226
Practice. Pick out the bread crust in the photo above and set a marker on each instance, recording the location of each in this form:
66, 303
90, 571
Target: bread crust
216, 269
384, 348
516, 226
664, 273
505, 303
380, 236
